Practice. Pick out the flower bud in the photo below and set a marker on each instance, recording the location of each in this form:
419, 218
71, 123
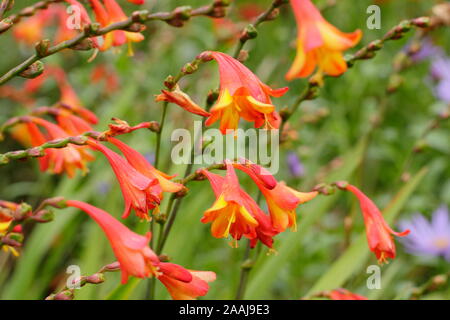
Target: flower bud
84, 45
33, 70
96, 278
42, 47
43, 216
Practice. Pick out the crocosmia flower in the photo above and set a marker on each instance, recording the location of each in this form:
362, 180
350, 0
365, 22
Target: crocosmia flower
140, 163
183, 100
242, 95
428, 238
66, 159
137, 259
234, 212
184, 284
68, 97
319, 44
282, 200
131, 249
139, 192
110, 12
379, 234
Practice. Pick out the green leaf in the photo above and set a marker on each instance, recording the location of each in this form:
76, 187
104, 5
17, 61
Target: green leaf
357, 254
123, 291
266, 270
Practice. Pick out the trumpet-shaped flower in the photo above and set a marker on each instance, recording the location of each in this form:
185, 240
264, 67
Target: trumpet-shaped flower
131, 249
110, 12
137, 259
66, 159
379, 234
242, 95
282, 200
140, 163
139, 192
319, 44
234, 212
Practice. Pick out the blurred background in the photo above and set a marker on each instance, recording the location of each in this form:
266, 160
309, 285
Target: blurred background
354, 131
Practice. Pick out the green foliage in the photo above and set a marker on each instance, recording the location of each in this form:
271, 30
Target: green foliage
342, 145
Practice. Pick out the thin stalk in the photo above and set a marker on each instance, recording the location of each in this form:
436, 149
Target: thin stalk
245, 271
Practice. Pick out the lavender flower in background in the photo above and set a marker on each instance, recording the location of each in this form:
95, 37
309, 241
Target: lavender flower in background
426, 50
295, 165
440, 67
440, 71
428, 238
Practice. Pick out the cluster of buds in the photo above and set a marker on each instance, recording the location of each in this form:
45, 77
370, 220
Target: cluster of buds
97, 278
14, 215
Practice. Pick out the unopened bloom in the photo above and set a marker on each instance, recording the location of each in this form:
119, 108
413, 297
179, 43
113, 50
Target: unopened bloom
139, 192
137, 259
110, 12
242, 95
344, 294
428, 238
184, 284
234, 212
319, 44
282, 200
379, 234
183, 100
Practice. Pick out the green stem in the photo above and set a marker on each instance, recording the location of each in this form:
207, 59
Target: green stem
246, 266
93, 30
159, 134
265, 16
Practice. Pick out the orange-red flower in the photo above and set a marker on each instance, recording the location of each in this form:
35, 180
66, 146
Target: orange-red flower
31, 29
183, 100
344, 294
242, 95
137, 259
131, 249
379, 234
71, 123
318, 43
141, 164
7, 210
139, 192
282, 200
68, 97
184, 284
110, 12
66, 159
234, 212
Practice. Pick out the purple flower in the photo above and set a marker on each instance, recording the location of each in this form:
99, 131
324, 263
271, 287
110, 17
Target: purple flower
440, 71
440, 68
428, 238
427, 50
442, 90
295, 166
